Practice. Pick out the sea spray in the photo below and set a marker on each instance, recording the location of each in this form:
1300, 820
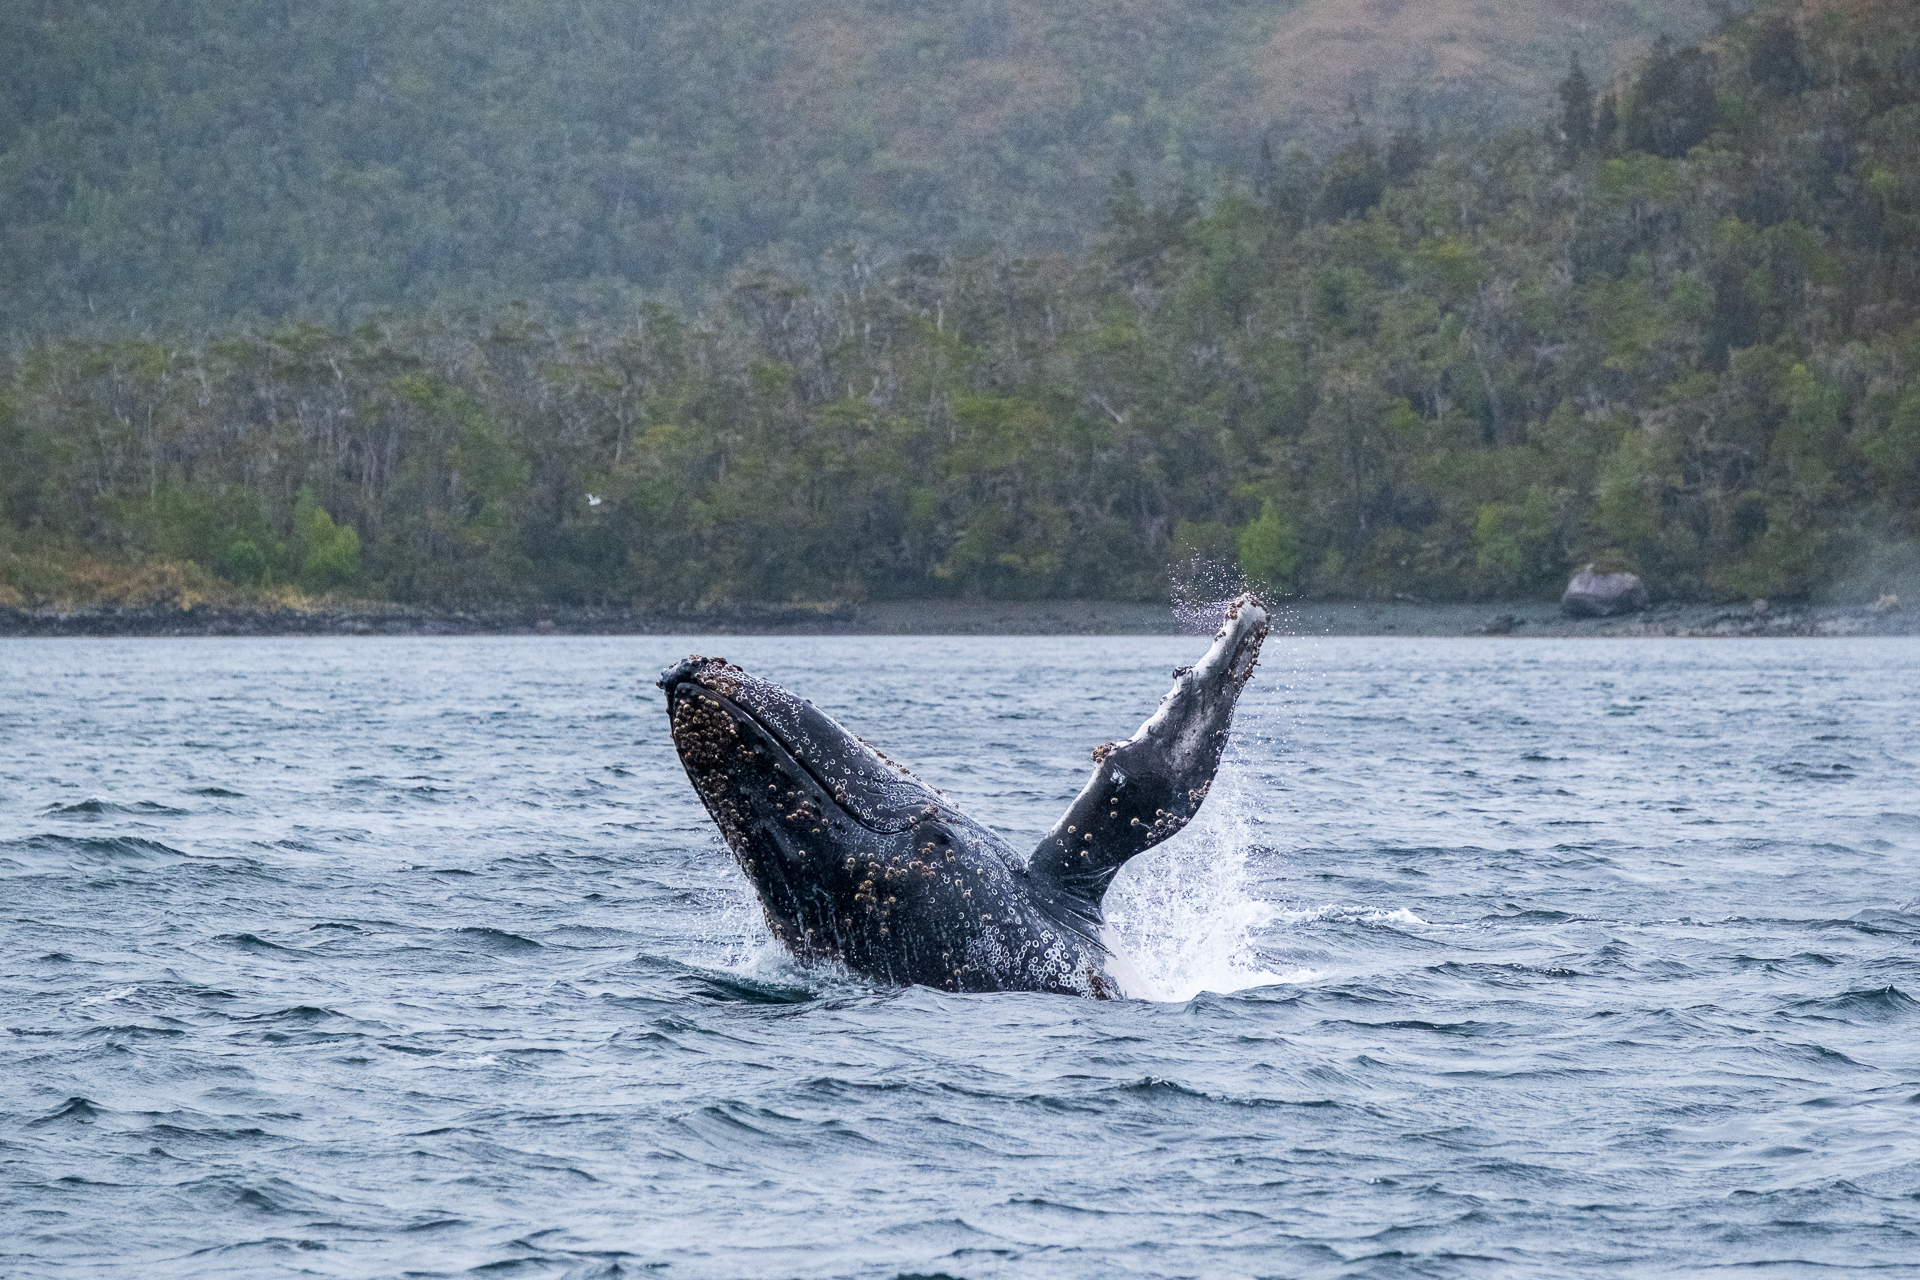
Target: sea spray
1187, 912
739, 941
1201, 590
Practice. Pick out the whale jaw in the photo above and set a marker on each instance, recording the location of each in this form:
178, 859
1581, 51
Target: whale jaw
776, 822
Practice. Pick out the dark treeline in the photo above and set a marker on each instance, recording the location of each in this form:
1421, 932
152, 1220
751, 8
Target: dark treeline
1679, 327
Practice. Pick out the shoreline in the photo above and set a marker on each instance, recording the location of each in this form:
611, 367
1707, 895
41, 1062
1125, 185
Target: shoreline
952, 617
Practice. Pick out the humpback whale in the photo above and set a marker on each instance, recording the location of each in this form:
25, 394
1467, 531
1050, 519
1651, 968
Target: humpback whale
857, 861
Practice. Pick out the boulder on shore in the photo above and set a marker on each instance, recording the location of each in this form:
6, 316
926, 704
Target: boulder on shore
1592, 594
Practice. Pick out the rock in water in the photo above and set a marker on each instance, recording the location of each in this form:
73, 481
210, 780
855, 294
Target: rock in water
1592, 594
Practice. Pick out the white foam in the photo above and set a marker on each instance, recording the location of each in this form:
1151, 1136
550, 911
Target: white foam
740, 941
1185, 913
1334, 913
114, 993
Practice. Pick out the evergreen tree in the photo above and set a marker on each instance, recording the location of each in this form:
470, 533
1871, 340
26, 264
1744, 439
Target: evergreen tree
1576, 112
1673, 101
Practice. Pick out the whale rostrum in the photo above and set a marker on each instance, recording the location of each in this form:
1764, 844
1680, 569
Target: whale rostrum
857, 861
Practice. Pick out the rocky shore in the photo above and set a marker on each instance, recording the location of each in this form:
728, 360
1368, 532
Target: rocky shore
375, 618
951, 617
1544, 619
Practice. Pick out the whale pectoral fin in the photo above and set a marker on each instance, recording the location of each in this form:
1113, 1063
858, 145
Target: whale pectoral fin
1127, 807
1145, 789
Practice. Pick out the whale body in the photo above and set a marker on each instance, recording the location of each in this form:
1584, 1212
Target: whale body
858, 862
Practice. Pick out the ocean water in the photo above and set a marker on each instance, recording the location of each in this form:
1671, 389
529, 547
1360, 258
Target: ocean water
1487, 958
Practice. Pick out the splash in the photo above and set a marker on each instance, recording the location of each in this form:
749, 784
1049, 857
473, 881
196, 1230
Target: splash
1202, 589
1186, 913
740, 944
739, 941
1336, 913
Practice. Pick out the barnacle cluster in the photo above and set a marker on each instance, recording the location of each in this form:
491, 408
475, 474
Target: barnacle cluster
708, 741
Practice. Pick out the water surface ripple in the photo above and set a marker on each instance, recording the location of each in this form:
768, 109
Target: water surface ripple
419, 957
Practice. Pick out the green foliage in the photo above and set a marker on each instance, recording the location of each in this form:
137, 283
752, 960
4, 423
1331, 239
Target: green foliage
192, 162
246, 564
1269, 548
1356, 179
1784, 561
1513, 545
1673, 105
1460, 371
328, 554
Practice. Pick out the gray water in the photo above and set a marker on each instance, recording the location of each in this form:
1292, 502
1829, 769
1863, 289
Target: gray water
1487, 958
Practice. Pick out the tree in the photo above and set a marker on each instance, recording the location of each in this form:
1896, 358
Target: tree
1775, 61
1407, 149
1606, 126
328, 554
1270, 548
1673, 102
1354, 180
1576, 112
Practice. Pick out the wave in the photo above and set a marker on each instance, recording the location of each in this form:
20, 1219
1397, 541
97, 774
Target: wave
101, 808
75, 1110
497, 941
133, 1031
255, 943
741, 989
1881, 920
1881, 1005
1340, 914
43, 851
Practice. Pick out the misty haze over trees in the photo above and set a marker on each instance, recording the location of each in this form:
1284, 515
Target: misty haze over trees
197, 162
1668, 320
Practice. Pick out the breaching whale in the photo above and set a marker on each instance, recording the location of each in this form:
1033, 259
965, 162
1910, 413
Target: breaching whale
857, 861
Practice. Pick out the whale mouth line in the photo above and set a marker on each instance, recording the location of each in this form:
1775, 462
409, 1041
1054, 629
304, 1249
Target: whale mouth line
788, 760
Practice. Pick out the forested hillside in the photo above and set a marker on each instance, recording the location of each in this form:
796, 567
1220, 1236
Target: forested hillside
183, 163
1674, 323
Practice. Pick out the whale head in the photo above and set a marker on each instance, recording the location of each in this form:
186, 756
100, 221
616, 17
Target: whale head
806, 807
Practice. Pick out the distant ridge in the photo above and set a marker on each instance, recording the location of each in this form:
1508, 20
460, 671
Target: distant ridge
186, 162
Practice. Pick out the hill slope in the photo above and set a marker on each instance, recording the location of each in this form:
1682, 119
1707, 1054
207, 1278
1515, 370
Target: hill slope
192, 161
1685, 336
